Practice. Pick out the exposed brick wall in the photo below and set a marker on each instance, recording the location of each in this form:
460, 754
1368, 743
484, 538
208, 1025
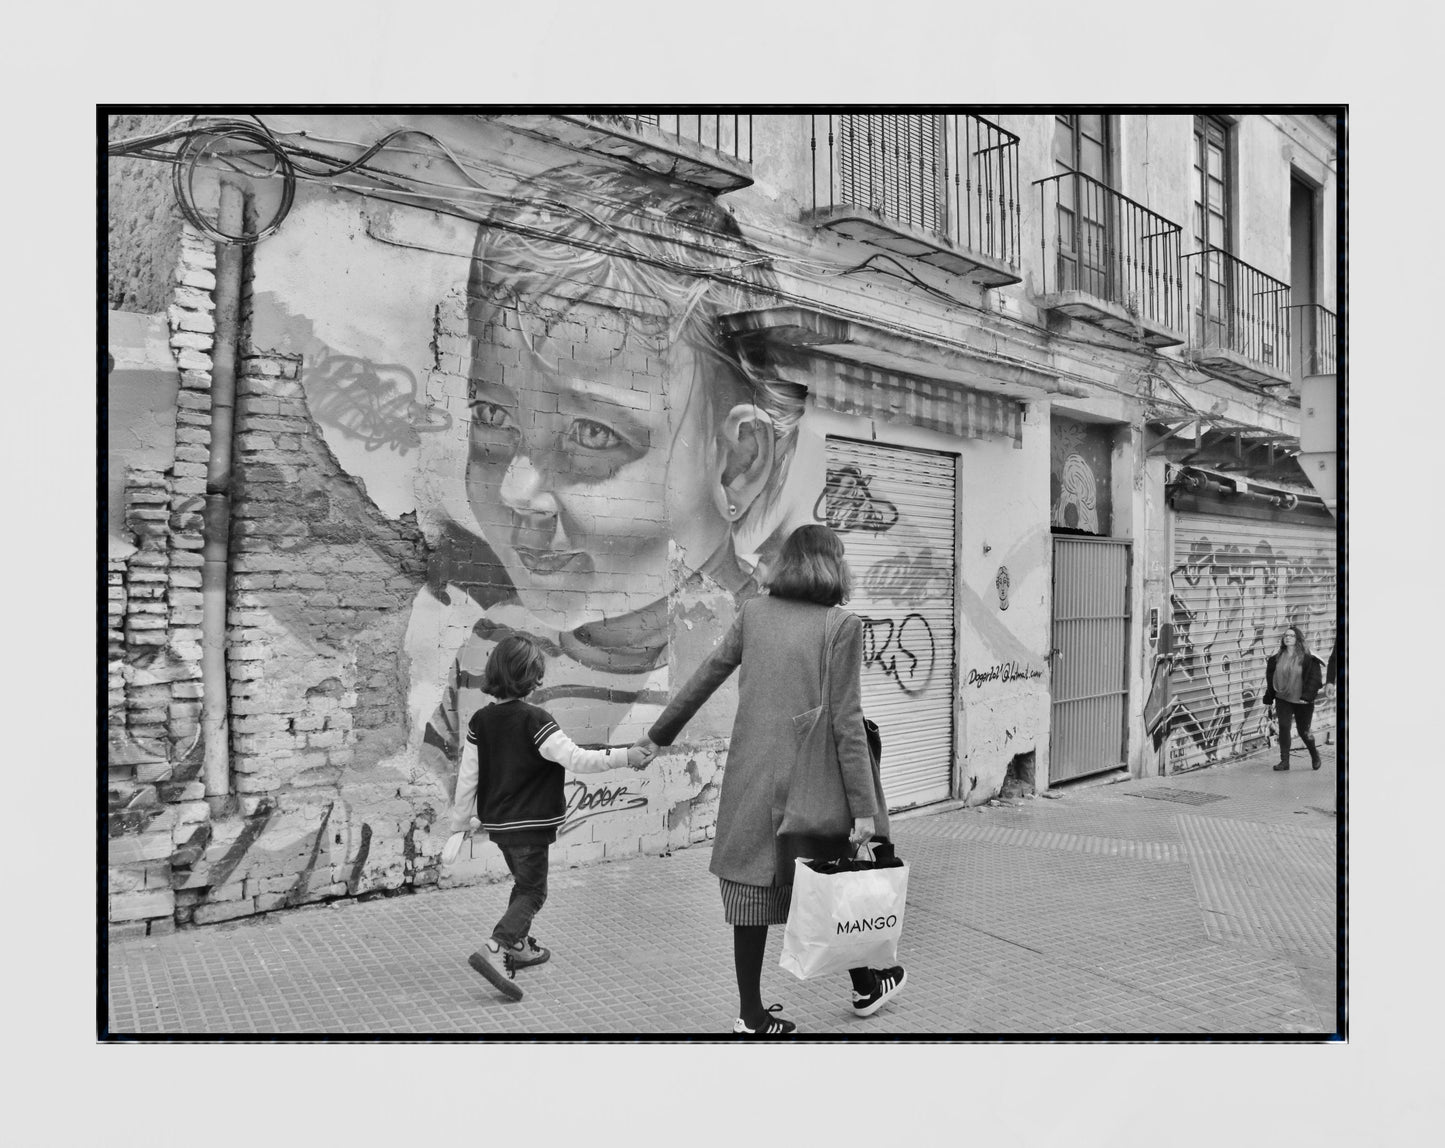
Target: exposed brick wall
322, 587
143, 223
158, 818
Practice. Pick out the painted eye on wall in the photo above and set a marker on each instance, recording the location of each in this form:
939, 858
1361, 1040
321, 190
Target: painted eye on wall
593, 435
485, 414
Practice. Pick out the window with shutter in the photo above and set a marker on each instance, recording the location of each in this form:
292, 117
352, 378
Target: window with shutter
895, 165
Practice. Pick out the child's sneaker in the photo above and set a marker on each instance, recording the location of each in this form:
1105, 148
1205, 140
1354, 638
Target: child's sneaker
770, 1027
523, 953
886, 984
481, 960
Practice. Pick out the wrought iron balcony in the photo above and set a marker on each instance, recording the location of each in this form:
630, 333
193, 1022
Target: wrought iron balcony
1109, 261
1238, 319
714, 152
941, 190
1312, 332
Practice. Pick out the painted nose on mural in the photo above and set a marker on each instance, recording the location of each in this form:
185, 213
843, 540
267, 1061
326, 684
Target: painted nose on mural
536, 523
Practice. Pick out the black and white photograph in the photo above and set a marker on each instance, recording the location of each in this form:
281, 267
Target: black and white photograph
594, 567
713, 553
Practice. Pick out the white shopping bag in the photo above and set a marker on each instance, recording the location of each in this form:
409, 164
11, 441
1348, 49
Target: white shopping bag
846, 919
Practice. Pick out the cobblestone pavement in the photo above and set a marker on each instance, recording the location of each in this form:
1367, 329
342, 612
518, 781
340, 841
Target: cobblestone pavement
1202, 903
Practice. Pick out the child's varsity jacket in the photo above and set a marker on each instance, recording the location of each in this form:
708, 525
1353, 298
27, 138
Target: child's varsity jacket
510, 776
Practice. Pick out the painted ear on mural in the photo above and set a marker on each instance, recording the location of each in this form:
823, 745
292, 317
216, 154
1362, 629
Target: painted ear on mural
745, 443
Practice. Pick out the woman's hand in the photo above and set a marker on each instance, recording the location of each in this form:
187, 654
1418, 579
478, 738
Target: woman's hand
641, 752
638, 756
452, 848
862, 832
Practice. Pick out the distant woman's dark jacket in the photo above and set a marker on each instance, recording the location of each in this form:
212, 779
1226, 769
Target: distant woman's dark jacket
1312, 679
779, 644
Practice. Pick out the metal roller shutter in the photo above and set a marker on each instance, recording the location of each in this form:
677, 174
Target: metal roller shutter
1235, 584
896, 511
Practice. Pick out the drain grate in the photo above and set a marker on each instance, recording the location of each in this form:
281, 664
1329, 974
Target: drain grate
1183, 796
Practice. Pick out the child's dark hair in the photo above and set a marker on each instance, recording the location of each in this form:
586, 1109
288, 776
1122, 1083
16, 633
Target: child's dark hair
514, 668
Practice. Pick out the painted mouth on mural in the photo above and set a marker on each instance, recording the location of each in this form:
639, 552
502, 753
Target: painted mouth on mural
545, 562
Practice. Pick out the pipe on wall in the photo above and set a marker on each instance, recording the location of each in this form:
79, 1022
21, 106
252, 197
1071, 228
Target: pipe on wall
215, 555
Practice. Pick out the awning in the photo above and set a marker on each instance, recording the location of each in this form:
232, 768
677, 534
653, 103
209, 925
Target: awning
859, 369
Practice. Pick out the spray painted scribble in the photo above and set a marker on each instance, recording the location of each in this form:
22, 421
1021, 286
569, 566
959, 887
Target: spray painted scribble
374, 403
847, 503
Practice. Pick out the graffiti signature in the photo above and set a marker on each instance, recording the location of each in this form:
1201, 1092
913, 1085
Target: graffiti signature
847, 504
885, 641
1004, 672
584, 802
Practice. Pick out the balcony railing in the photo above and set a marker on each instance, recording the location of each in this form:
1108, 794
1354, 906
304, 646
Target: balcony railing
1312, 331
1238, 318
950, 179
731, 135
712, 152
1111, 249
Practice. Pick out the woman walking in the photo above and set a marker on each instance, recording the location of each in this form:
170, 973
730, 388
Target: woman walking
1293, 678
769, 789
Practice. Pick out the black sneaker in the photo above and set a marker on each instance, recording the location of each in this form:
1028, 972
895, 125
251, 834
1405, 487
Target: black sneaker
886, 984
523, 953
481, 960
770, 1027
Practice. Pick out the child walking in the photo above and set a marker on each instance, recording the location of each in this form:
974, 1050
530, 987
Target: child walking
512, 776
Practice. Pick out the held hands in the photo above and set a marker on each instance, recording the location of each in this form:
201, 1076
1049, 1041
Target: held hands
641, 753
862, 832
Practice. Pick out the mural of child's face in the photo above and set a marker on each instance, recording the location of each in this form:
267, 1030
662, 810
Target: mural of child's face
585, 460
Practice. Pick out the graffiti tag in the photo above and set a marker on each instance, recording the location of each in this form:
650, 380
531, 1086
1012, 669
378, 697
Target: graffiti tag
903, 650
374, 403
1004, 672
584, 802
906, 578
847, 504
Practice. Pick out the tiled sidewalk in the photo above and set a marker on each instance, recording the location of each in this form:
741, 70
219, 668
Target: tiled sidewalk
1107, 910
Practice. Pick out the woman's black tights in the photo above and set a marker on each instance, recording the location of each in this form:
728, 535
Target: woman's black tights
749, 941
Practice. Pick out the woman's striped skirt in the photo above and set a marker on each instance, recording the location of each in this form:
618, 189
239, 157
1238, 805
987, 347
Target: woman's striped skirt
755, 904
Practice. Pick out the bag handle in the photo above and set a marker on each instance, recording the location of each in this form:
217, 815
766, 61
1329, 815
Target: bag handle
827, 672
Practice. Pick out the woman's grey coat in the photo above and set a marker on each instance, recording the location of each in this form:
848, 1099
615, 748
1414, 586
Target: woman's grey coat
779, 644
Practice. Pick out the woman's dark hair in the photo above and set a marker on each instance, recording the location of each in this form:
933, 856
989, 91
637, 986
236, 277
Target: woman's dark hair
811, 568
1299, 642
514, 668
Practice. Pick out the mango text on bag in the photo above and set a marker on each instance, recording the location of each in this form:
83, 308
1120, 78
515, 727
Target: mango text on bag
862, 926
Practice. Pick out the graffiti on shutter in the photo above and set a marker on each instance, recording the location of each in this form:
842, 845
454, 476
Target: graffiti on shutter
1235, 584
895, 510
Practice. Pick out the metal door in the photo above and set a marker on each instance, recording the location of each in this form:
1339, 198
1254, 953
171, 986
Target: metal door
1090, 656
895, 510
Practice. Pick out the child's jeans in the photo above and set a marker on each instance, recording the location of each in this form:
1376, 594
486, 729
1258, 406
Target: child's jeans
528, 866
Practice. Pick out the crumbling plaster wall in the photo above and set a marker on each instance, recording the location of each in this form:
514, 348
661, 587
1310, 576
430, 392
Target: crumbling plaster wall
143, 223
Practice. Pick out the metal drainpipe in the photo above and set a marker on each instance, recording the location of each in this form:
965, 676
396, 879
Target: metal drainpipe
215, 555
